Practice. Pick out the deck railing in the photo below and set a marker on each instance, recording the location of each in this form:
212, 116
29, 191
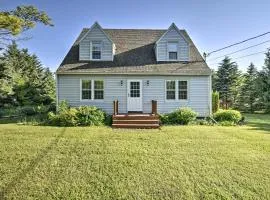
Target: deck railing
154, 107
116, 107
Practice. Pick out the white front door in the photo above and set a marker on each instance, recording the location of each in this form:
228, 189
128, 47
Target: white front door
134, 95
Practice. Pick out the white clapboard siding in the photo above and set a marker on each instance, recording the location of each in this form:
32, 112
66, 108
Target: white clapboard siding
199, 92
172, 35
95, 34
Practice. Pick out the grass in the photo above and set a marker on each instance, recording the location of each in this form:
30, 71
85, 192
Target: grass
187, 162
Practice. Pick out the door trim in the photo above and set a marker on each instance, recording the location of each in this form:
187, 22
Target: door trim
128, 90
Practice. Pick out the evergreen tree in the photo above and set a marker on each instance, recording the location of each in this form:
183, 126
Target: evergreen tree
226, 81
23, 79
264, 83
249, 93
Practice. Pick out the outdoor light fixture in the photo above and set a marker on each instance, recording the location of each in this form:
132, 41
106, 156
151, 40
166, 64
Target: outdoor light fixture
147, 82
121, 82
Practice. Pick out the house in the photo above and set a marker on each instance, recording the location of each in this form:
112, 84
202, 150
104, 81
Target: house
135, 67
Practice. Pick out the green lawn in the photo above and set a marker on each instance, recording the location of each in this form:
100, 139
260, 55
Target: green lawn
188, 162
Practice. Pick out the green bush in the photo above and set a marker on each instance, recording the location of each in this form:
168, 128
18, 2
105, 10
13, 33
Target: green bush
81, 116
90, 115
182, 116
28, 110
164, 119
108, 120
233, 116
64, 118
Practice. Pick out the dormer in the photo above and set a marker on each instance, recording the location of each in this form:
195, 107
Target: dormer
96, 45
172, 46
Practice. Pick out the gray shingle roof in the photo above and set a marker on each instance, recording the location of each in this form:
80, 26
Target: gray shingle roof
134, 55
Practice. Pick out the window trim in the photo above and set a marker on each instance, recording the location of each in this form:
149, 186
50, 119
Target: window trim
168, 52
167, 90
91, 50
92, 90
179, 90
176, 91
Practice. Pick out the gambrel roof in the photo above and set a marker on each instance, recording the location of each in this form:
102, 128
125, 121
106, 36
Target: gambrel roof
134, 54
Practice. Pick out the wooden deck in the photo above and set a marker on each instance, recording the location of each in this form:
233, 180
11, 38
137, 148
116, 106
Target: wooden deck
135, 120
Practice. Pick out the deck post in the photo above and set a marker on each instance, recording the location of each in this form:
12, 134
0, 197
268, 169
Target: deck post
154, 107
115, 107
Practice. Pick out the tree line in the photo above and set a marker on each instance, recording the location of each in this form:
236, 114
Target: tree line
249, 91
23, 79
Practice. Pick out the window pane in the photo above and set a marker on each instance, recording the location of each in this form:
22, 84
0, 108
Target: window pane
182, 94
170, 85
98, 85
86, 84
182, 85
173, 55
134, 89
96, 55
98, 94
86, 94
170, 95
96, 50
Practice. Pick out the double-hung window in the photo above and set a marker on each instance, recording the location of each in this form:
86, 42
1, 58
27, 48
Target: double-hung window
176, 90
98, 90
96, 50
170, 90
172, 50
182, 90
86, 89
92, 89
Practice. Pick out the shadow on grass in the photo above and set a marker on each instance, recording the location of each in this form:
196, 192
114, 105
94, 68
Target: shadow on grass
259, 126
33, 163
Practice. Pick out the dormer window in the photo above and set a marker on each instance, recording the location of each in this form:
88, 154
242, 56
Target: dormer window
172, 50
96, 50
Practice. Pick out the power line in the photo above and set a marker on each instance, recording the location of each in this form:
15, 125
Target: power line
237, 43
260, 52
240, 50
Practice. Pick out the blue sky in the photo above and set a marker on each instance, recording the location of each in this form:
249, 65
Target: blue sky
211, 24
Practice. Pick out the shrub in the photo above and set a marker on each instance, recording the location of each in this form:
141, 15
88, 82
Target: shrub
64, 118
82, 116
28, 110
181, 116
164, 118
215, 101
90, 115
108, 120
233, 116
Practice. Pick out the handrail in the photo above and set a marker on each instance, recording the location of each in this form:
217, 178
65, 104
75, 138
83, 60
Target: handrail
154, 107
115, 107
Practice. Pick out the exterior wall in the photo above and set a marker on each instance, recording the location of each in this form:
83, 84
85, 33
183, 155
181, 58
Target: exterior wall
198, 92
96, 35
172, 35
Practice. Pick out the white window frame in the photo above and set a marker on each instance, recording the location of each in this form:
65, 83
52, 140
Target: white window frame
92, 90
91, 50
177, 50
179, 89
176, 91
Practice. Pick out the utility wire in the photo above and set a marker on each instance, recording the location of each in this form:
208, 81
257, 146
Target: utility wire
260, 52
240, 50
237, 43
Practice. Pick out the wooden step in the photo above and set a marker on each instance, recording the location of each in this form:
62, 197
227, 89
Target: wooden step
135, 121
135, 117
142, 126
